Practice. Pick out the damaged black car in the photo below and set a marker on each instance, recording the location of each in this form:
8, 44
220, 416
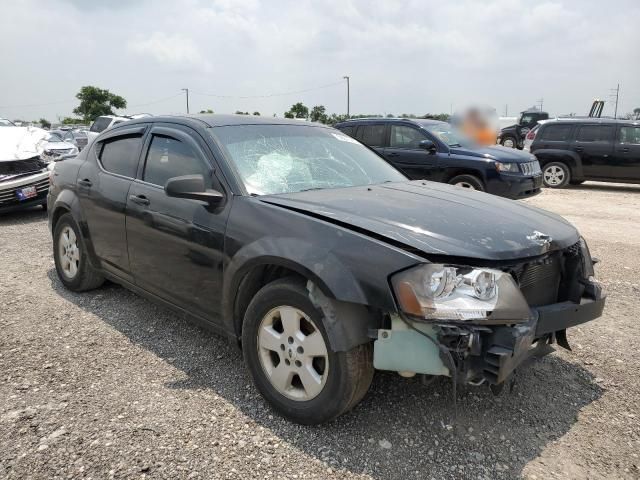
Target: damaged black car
317, 257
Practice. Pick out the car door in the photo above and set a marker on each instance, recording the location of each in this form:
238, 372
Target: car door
175, 244
103, 184
594, 145
625, 164
404, 152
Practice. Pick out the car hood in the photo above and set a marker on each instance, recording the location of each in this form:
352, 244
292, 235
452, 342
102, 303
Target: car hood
20, 143
494, 152
437, 219
58, 145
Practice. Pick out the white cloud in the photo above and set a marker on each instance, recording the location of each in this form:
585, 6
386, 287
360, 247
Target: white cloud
172, 51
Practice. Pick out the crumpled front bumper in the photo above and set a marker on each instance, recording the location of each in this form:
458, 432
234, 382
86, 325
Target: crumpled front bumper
505, 348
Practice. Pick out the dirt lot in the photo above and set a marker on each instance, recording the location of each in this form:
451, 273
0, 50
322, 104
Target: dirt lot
105, 384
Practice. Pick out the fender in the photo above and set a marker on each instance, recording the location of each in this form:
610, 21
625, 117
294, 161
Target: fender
572, 159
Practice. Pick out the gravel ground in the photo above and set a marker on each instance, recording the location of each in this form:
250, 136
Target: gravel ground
107, 385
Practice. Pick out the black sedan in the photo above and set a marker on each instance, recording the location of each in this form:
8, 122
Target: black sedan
316, 256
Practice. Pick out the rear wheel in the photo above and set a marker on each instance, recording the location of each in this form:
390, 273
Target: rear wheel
467, 181
70, 256
288, 354
555, 175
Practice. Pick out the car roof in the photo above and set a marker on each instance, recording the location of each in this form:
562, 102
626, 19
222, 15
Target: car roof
219, 120
591, 120
416, 121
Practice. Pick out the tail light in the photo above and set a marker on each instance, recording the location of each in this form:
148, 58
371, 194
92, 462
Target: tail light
532, 134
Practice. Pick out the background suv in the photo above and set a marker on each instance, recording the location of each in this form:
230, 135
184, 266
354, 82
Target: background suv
572, 150
433, 150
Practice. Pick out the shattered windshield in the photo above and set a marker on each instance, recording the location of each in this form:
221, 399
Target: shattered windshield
274, 159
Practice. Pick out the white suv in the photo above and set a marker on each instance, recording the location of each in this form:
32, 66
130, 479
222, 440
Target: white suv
107, 121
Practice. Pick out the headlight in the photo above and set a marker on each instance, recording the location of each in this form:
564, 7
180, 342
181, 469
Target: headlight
507, 167
443, 292
587, 262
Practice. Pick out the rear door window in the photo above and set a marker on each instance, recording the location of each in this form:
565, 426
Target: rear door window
555, 133
372, 135
168, 158
120, 155
630, 135
595, 133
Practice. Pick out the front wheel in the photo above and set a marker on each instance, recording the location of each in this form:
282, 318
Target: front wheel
555, 175
288, 354
509, 142
469, 182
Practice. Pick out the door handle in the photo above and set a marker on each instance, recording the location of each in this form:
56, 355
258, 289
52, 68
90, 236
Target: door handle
139, 199
85, 182
625, 150
392, 154
578, 149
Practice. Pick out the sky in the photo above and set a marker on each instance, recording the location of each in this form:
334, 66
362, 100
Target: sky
416, 57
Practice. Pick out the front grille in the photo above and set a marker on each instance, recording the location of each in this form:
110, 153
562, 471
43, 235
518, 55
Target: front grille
540, 281
531, 168
8, 196
20, 167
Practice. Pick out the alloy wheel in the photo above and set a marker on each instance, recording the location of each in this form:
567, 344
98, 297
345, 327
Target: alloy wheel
554, 175
508, 142
293, 353
69, 252
465, 185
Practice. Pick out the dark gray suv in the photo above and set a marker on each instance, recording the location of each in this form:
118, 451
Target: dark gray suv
572, 150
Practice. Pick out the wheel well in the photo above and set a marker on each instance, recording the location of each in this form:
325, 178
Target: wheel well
252, 282
56, 216
461, 171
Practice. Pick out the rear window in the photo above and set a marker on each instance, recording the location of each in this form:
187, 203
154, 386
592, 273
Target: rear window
350, 130
594, 133
100, 124
120, 155
555, 132
372, 135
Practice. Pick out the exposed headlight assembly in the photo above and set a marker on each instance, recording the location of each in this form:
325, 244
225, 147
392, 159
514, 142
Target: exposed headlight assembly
443, 292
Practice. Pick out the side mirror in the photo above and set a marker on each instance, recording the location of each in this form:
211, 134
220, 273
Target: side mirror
428, 145
192, 186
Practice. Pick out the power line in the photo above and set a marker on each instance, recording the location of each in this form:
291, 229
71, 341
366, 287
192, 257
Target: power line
293, 92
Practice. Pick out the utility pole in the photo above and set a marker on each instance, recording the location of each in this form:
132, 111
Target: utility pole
616, 92
186, 90
506, 110
540, 102
346, 77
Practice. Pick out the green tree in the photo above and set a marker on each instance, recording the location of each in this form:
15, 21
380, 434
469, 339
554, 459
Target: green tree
44, 123
333, 119
298, 110
72, 121
208, 110
318, 114
289, 115
239, 112
257, 114
95, 102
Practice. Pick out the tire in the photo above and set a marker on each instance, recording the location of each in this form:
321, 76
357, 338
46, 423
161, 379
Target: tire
556, 175
70, 256
341, 378
509, 142
468, 181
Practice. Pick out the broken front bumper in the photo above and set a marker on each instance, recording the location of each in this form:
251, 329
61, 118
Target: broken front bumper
478, 352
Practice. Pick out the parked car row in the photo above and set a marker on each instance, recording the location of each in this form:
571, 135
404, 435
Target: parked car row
317, 257
433, 150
